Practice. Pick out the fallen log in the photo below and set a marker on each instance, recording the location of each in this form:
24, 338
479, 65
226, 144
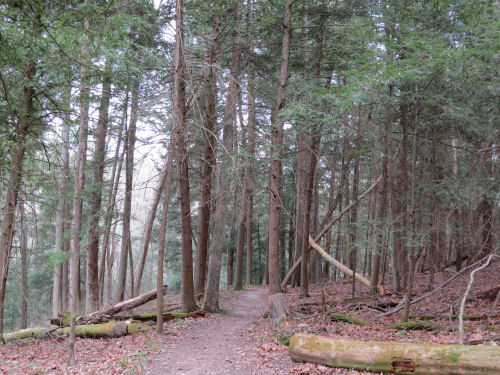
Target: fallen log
110, 329
167, 316
325, 228
36, 332
394, 357
125, 305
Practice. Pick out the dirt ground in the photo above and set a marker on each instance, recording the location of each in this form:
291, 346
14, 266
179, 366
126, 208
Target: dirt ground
220, 344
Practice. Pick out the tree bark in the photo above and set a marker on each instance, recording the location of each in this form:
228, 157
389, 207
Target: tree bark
382, 202
110, 207
163, 231
92, 295
211, 302
277, 144
127, 205
179, 123
252, 120
396, 357
79, 175
208, 159
60, 282
23, 239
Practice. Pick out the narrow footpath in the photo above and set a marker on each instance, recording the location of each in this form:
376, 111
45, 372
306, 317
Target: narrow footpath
219, 344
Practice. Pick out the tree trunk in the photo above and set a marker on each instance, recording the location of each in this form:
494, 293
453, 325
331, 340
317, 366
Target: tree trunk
230, 248
127, 204
396, 357
24, 267
211, 302
277, 143
163, 231
60, 278
382, 203
179, 124
15, 177
252, 120
110, 206
208, 159
301, 206
92, 295
79, 175
150, 221
328, 245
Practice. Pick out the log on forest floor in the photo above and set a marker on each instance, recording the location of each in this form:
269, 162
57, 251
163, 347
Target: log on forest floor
110, 329
121, 306
394, 357
167, 316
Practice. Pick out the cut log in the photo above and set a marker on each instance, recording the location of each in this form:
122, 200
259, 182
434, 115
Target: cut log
278, 311
110, 329
121, 306
394, 357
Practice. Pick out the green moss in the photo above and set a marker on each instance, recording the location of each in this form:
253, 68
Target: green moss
450, 357
493, 329
414, 326
336, 317
284, 340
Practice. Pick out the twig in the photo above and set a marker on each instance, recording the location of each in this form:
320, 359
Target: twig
466, 294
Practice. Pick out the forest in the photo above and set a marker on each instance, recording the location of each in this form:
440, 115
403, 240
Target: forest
214, 146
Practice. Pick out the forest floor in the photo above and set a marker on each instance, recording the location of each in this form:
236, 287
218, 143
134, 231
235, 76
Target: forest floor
239, 340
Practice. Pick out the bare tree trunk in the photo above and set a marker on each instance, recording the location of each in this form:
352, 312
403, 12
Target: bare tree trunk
328, 246
208, 159
179, 124
92, 295
382, 190
354, 213
24, 266
76, 222
60, 278
149, 223
252, 120
277, 143
15, 177
230, 248
211, 302
110, 260
110, 206
163, 231
301, 203
127, 206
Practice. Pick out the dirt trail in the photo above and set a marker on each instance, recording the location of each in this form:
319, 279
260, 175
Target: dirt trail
218, 344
